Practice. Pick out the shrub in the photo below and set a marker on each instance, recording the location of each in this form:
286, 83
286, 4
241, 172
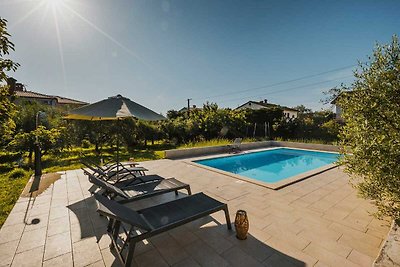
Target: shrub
85, 143
17, 173
371, 134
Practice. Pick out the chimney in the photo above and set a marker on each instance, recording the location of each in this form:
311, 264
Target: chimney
19, 87
12, 83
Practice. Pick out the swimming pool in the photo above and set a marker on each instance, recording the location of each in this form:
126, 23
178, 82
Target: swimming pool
273, 165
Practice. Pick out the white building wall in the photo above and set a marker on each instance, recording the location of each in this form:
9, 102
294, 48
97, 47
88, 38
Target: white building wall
338, 112
290, 114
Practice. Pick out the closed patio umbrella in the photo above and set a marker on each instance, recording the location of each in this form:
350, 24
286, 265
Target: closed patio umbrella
114, 108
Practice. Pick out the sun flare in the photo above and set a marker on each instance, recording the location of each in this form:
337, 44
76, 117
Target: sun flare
54, 3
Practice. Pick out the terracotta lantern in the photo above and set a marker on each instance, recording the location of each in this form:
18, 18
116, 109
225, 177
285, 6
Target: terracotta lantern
241, 224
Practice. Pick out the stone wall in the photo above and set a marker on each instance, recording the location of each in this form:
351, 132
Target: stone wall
390, 252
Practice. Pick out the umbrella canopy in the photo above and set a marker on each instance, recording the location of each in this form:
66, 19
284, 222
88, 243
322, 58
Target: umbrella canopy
113, 108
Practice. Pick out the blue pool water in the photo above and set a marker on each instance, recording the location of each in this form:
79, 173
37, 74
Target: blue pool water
272, 165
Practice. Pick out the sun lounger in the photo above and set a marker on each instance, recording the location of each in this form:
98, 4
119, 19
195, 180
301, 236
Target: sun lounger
113, 176
235, 146
110, 166
113, 165
148, 222
121, 168
139, 190
118, 168
125, 181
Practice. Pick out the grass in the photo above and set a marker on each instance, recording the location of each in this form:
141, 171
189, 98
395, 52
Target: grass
214, 142
70, 159
309, 141
14, 178
12, 181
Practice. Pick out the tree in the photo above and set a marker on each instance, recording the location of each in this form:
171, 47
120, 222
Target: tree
97, 133
49, 140
370, 138
52, 133
270, 115
303, 111
260, 118
7, 108
7, 111
204, 124
173, 114
147, 130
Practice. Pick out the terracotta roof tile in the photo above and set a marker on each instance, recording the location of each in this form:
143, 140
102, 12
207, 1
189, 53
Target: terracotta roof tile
60, 99
31, 94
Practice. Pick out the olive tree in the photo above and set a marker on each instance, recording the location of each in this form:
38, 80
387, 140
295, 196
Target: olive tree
370, 137
26, 131
50, 140
7, 108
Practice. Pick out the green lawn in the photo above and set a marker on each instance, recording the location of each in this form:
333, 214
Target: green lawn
12, 181
214, 142
13, 178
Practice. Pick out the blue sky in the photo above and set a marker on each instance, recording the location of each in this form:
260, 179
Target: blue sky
159, 53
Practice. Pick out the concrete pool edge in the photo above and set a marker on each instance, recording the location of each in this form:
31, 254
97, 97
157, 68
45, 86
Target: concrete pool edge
183, 153
275, 186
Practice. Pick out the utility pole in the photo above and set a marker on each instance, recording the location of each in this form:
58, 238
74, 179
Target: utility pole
188, 106
189, 103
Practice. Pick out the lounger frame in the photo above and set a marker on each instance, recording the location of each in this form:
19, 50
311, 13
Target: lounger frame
114, 177
112, 191
115, 224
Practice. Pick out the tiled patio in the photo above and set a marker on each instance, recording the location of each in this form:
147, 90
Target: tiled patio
316, 222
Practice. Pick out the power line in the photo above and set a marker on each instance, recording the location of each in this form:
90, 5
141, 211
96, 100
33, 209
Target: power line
287, 89
280, 83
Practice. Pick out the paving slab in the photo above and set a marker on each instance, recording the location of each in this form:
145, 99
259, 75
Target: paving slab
86, 252
57, 245
316, 222
7, 252
29, 258
32, 239
64, 260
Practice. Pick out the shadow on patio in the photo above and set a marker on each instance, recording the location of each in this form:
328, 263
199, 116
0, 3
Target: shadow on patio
204, 242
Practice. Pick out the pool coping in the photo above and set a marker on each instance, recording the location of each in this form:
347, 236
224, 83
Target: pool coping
275, 186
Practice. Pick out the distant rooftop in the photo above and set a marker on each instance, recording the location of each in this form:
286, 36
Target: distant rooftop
21, 92
267, 105
184, 109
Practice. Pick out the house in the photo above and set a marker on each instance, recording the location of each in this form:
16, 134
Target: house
184, 109
338, 108
288, 113
23, 95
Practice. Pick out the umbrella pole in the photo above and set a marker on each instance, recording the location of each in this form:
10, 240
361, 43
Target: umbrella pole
118, 129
